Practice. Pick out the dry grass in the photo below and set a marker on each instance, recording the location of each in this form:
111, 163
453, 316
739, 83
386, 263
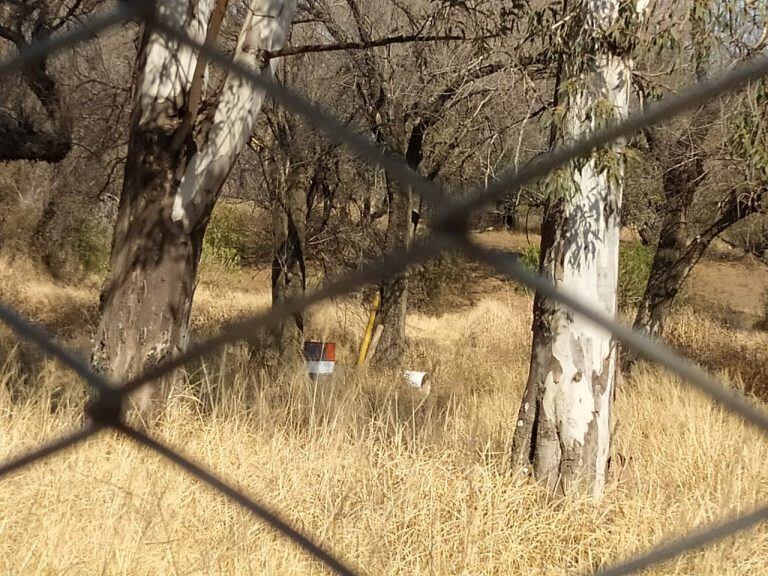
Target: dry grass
392, 482
741, 353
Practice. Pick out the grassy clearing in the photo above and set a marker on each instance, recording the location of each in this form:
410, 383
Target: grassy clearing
393, 482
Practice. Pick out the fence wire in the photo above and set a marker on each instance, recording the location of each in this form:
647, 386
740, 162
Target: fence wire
450, 232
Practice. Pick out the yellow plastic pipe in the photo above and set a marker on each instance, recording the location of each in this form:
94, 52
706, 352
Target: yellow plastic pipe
368, 330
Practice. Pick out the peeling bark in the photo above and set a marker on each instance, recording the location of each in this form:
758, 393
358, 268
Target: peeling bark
565, 434
169, 190
147, 296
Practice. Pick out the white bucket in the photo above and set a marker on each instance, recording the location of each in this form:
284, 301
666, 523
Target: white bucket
416, 379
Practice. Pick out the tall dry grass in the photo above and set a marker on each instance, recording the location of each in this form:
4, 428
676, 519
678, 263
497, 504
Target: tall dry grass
393, 482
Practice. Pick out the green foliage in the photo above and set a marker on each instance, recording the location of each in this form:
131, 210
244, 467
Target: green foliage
229, 238
635, 261
748, 137
559, 184
530, 257
90, 243
218, 255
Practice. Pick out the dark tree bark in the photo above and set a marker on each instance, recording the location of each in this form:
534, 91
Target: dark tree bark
684, 171
400, 227
510, 212
527, 430
678, 248
682, 176
177, 163
43, 137
147, 296
394, 290
676, 257
289, 226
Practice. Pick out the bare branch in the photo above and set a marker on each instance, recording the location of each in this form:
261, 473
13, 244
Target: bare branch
363, 45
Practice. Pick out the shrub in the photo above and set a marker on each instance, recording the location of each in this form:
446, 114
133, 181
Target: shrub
762, 323
635, 261
229, 239
530, 257
91, 247
441, 284
216, 253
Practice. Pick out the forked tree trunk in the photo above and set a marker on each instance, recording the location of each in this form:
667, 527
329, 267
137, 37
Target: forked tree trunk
684, 171
676, 257
47, 139
668, 271
562, 429
400, 230
173, 177
683, 174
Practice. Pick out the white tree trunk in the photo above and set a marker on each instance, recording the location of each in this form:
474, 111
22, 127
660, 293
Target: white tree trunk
265, 29
578, 399
169, 66
566, 410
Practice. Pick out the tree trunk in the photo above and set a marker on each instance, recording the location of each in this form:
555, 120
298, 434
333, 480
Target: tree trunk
667, 276
573, 362
289, 220
510, 212
683, 173
173, 177
563, 429
510, 217
147, 296
400, 229
681, 181
394, 290
46, 139
675, 259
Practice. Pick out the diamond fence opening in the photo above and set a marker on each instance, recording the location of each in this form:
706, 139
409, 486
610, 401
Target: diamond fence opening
450, 231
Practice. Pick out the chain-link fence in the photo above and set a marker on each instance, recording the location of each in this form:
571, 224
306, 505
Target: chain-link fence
450, 231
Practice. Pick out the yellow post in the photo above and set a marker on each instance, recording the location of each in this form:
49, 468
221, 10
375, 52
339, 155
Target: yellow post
368, 330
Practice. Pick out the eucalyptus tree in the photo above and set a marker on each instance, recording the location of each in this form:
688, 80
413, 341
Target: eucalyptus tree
185, 138
563, 427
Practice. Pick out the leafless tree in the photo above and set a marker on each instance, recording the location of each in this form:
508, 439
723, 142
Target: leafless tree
41, 132
686, 160
404, 95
